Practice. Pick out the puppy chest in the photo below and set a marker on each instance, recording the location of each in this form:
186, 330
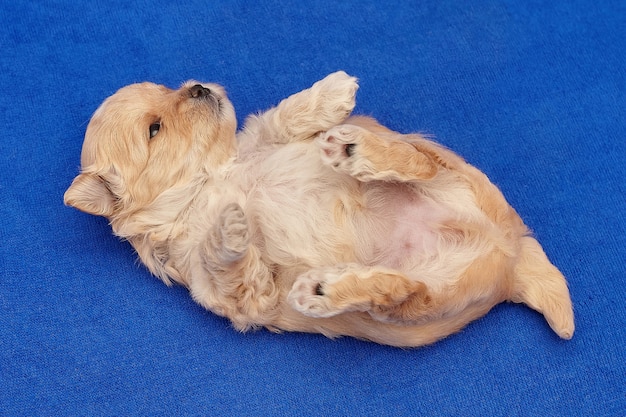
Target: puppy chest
299, 226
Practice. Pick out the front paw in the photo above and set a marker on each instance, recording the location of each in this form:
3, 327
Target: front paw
232, 234
337, 93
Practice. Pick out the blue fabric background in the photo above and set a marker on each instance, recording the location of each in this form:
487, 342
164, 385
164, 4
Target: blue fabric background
531, 92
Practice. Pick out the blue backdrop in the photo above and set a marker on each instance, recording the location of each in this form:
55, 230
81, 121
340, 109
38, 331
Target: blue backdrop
531, 92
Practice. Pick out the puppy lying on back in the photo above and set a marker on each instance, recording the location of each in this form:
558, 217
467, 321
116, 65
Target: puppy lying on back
309, 219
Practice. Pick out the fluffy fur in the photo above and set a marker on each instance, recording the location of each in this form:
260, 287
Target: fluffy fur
309, 219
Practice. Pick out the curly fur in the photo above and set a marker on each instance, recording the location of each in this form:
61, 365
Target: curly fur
309, 219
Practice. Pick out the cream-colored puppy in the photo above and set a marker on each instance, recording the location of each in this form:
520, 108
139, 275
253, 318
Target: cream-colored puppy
308, 219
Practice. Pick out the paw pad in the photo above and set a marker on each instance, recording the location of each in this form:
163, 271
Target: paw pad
338, 146
319, 290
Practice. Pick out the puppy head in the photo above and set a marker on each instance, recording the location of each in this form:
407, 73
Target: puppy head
147, 138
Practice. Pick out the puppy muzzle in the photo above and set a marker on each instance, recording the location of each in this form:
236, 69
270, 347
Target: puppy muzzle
199, 91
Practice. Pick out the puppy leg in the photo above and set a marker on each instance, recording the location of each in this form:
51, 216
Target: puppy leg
240, 286
371, 156
385, 294
303, 115
229, 240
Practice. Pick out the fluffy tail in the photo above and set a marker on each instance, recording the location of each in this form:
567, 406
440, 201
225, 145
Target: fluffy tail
541, 286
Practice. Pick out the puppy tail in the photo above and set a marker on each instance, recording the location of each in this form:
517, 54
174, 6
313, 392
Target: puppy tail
541, 286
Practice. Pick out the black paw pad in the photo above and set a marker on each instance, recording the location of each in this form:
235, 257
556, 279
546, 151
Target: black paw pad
319, 290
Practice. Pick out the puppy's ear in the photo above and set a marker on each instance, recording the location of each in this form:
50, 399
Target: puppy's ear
90, 194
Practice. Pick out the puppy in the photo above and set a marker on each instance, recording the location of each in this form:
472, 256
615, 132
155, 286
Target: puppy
309, 219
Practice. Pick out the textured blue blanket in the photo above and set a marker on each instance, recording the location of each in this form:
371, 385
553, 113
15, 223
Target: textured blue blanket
531, 92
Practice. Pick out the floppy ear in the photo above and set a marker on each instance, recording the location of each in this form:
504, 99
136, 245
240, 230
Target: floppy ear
89, 193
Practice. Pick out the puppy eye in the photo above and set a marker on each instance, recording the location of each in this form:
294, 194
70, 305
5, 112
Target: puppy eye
154, 129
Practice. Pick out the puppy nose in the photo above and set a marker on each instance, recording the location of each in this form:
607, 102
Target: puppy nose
198, 91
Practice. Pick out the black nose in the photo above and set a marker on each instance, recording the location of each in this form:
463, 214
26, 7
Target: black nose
198, 91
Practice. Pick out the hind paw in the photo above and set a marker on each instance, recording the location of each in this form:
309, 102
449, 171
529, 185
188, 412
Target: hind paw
309, 294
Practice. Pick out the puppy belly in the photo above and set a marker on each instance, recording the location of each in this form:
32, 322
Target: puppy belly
410, 228
309, 216
412, 236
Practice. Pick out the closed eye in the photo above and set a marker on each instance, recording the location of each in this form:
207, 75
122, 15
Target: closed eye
154, 129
